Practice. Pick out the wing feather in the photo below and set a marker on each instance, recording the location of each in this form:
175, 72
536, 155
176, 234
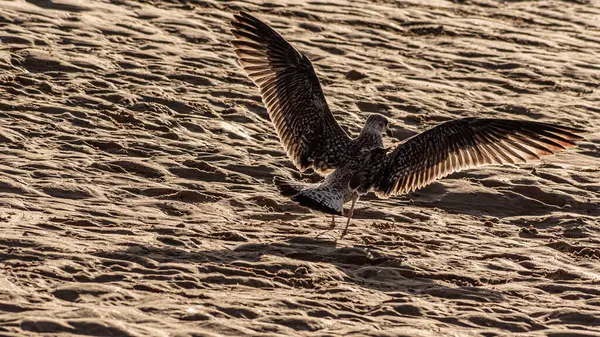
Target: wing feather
292, 95
466, 143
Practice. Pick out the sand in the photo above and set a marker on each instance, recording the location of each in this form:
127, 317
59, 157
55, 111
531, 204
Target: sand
136, 168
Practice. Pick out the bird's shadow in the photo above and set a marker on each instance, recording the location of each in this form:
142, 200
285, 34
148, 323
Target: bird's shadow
502, 202
307, 262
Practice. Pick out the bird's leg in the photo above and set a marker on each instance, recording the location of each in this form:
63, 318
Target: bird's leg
350, 213
331, 227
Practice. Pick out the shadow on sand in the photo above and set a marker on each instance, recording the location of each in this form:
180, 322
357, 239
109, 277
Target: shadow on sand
306, 262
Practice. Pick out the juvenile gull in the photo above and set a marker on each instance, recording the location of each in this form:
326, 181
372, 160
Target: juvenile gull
291, 91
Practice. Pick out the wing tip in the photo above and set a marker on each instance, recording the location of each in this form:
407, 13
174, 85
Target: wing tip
242, 15
574, 130
244, 18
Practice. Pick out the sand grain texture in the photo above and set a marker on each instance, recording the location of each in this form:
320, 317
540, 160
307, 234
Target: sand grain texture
136, 164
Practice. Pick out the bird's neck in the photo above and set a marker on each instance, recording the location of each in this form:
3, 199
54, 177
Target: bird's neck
369, 138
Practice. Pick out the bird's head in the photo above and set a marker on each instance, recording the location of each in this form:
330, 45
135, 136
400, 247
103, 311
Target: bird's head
377, 122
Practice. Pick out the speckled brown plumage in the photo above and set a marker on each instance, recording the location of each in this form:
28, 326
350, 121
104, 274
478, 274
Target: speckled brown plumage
462, 144
312, 138
292, 94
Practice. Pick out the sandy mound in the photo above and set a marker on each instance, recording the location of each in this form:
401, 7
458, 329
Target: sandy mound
136, 165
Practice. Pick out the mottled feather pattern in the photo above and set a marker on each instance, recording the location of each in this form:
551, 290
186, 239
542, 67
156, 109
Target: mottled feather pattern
324, 199
365, 175
466, 143
312, 138
328, 196
292, 94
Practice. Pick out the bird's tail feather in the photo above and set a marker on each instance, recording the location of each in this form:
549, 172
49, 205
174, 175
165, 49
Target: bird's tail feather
317, 197
288, 188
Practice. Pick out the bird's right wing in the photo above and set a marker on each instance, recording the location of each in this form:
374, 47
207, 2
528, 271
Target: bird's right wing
292, 94
465, 143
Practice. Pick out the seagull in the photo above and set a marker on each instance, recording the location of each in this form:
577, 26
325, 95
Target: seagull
312, 138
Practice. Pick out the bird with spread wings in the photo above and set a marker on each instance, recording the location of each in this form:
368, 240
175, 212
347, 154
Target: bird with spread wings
312, 138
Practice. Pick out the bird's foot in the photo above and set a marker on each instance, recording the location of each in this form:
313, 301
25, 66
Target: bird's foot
329, 229
344, 233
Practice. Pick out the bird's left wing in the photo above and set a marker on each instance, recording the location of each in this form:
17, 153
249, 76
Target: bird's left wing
462, 144
292, 94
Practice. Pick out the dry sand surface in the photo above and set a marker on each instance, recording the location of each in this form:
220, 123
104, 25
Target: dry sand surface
136, 165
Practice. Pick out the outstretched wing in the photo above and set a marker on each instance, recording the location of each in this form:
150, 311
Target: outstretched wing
466, 143
292, 94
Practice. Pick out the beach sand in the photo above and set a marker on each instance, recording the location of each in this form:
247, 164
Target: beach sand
137, 159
